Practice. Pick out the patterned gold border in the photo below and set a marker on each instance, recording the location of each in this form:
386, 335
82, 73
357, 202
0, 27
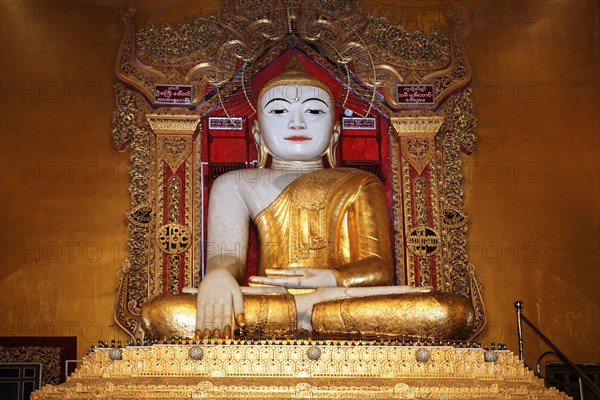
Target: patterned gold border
277, 371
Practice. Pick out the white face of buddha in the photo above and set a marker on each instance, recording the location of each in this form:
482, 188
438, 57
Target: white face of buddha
296, 122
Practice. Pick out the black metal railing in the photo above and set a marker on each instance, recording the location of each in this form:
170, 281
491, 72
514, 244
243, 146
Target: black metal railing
583, 378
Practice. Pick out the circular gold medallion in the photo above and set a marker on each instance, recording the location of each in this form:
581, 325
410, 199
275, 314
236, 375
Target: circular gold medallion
422, 241
173, 239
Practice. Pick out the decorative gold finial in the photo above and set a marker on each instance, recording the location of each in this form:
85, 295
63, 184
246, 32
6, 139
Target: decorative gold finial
294, 73
294, 66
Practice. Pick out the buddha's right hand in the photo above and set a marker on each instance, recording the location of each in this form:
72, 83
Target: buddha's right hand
219, 298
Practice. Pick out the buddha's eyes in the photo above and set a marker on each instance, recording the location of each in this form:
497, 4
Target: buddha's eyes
312, 106
313, 111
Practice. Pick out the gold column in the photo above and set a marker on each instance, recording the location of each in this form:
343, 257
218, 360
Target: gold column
177, 253
419, 199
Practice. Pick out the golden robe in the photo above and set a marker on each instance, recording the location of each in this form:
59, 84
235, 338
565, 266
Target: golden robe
330, 218
338, 219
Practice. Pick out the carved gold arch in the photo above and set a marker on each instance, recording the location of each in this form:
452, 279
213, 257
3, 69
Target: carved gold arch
217, 55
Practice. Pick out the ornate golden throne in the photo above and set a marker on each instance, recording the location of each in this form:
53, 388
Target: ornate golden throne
406, 114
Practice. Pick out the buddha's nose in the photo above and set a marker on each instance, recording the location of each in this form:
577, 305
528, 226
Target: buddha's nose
297, 121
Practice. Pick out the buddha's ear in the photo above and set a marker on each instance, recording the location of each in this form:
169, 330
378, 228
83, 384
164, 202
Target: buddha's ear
336, 133
256, 131
261, 149
330, 153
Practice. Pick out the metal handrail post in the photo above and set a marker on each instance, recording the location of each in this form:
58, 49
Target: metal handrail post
519, 307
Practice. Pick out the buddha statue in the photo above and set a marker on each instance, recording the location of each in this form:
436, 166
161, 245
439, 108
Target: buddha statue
325, 264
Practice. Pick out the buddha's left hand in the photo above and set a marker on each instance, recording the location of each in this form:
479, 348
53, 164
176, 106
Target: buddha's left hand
297, 278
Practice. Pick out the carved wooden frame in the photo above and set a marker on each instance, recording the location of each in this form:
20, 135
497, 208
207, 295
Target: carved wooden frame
425, 140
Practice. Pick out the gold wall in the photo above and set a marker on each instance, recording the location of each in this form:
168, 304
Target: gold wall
532, 186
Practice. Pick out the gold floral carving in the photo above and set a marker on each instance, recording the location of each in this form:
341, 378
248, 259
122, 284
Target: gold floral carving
49, 357
158, 179
174, 211
454, 217
418, 151
174, 150
437, 262
141, 215
420, 202
458, 134
334, 27
406, 199
173, 265
129, 69
130, 127
192, 195
174, 199
397, 209
417, 126
416, 57
476, 292
190, 40
284, 371
178, 125
417, 139
418, 148
174, 136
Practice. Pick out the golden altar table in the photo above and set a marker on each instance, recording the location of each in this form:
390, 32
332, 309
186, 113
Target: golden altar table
300, 369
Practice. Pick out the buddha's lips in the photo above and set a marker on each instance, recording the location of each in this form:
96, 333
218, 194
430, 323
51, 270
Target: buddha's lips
298, 138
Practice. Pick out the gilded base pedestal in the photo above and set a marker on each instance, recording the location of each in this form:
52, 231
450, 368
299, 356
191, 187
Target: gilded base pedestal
289, 371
